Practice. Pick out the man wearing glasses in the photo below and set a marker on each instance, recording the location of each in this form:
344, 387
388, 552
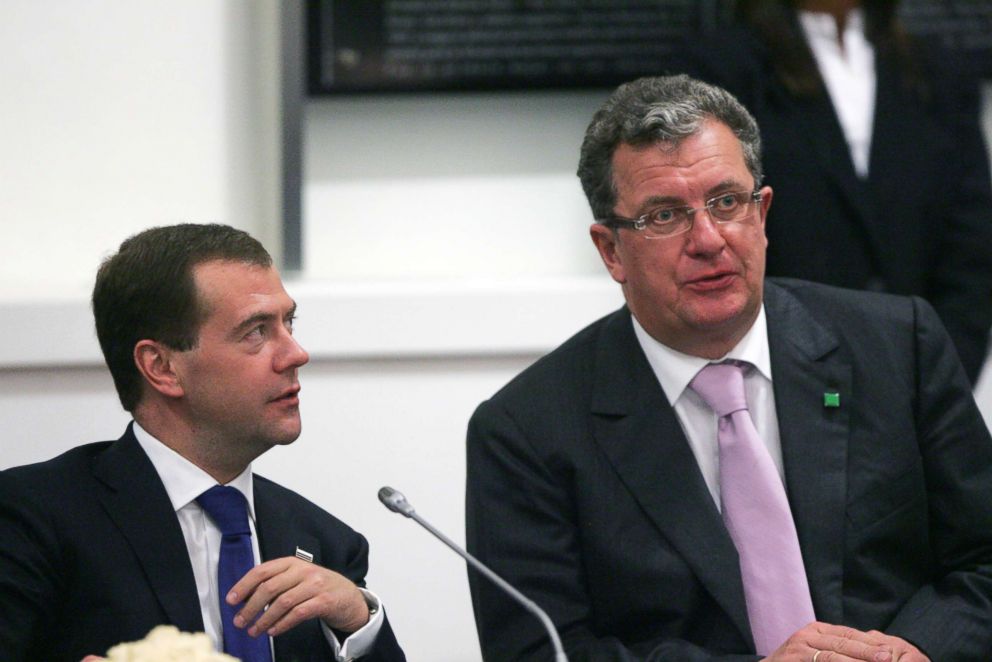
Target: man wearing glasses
729, 467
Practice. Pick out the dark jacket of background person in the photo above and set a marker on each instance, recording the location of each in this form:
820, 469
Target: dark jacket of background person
921, 223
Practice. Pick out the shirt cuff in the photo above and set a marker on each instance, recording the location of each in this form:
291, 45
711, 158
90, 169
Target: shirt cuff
361, 641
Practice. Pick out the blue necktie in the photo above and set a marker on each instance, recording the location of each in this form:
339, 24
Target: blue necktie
229, 511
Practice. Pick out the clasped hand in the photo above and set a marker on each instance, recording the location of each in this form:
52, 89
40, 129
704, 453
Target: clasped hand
822, 642
283, 593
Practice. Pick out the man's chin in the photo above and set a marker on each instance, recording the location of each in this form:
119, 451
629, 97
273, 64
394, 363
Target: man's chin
722, 315
288, 438
285, 433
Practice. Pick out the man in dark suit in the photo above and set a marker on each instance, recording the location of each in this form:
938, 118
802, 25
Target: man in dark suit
598, 478
104, 542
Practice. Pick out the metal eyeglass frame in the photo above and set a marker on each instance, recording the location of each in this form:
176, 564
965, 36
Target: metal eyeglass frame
641, 222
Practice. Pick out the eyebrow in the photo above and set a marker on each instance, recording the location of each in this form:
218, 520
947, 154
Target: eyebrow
258, 318
670, 200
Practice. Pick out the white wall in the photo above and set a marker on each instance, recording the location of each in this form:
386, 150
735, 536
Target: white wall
447, 186
118, 115
446, 251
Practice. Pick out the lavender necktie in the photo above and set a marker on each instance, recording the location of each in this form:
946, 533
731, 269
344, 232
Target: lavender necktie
229, 511
756, 513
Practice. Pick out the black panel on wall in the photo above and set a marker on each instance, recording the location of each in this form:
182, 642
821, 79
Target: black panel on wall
964, 25
435, 45
438, 45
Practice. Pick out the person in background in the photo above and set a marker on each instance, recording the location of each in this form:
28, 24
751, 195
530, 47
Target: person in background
168, 524
874, 147
730, 467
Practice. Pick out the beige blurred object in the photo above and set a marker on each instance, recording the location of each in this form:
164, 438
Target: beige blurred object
165, 643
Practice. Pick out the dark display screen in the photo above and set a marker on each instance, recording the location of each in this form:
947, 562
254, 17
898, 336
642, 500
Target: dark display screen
400, 45
435, 45
964, 25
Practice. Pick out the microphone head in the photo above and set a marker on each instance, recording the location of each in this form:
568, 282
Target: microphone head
395, 501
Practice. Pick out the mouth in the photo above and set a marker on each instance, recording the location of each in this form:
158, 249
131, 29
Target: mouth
710, 282
290, 396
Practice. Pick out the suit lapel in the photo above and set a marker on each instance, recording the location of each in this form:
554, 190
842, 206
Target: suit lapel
806, 364
637, 430
898, 113
892, 123
279, 536
821, 128
136, 501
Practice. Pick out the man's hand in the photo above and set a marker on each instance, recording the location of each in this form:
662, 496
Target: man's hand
902, 650
823, 642
295, 591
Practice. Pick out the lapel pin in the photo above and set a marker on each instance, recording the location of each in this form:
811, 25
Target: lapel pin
831, 399
303, 554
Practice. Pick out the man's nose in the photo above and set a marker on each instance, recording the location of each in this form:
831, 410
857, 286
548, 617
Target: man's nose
292, 354
704, 236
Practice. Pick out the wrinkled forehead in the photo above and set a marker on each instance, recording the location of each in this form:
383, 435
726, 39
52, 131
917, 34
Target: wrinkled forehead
711, 158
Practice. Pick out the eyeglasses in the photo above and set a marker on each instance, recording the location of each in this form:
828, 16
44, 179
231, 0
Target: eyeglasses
664, 222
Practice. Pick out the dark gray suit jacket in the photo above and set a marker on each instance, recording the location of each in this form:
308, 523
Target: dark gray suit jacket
91, 554
582, 491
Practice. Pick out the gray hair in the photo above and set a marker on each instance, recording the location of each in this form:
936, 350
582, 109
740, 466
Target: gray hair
665, 109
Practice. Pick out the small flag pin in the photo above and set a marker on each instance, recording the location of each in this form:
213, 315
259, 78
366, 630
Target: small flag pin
831, 399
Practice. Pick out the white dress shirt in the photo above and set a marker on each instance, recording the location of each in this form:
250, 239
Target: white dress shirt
675, 370
847, 66
184, 482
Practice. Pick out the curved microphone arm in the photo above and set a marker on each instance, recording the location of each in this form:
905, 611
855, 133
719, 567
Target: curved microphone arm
396, 502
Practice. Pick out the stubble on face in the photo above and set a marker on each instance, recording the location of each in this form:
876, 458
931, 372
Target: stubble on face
698, 292
240, 381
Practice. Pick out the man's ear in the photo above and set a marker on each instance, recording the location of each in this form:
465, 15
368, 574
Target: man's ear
766, 202
156, 363
606, 241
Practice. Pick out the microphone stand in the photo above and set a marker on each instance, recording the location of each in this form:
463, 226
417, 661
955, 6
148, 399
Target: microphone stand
396, 502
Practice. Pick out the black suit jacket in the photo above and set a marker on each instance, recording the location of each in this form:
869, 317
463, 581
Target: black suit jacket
582, 491
91, 554
921, 223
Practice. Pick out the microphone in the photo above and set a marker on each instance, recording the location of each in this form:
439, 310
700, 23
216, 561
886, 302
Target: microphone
396, 502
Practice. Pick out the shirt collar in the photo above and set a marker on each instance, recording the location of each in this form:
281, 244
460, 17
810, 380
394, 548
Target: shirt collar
183, 480
675, 370
823, 25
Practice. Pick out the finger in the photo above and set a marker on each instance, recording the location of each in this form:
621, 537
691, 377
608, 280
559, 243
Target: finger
902, 653
262, 600
265, 593
843, 647
275, 596
902, 650
326, 594
842, 632
857, 647
283, 602
247, 585
335, 600
287, 611
827, 655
